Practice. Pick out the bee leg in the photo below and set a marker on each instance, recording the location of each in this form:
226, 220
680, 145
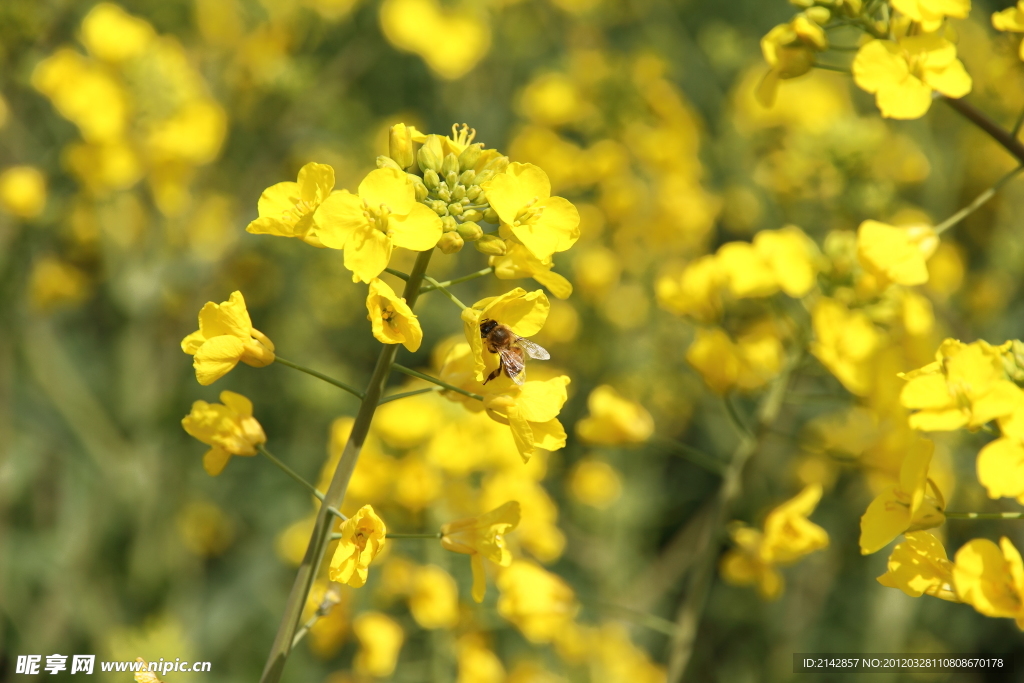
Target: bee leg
494, 374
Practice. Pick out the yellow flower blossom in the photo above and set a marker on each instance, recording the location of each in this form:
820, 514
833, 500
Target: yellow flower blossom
84, 93
368, 225
362, 538
906, 506
896, 254
450, 41
746, 364
392, 320
434, 598
919, 566
1011, 19
595, 483
788, 536
113, 35
966, 386
23, 191
229, 429
54, 283
482, 537
518, 262
476, 662
531, 412
380, 641
990, 578
845, 341
539, 603
524, 313
286, 209
776, 259
614, 420
146, 676
538, 529
1001, 468
694, 291
931, 13
902, 74
790, 51
521, 196
225, 337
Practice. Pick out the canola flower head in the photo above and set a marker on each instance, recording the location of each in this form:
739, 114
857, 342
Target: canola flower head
286, 209
748, 363
362, 538
896, 254
368, 225
380, 640
521, 196
450, 41
523, 312
392, 320
482, 537
614, 420
919, 566
228, 428
845, 342
540, 604
518, 262
434, 598
1000, 467
112, 35
23, 191
903, 73
990, 578
790, 51
1011, 20
531, 412
226, 337
930, 14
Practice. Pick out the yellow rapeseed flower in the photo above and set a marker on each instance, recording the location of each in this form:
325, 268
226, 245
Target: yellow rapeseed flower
229, 429
380, 641
845, 341
55, 282
518, 262
84, 93
478, 664
482, 537
531, 412
368, 225
931, 13
903, 73
146, 676
990, 578
286, 209
694, 291
896, 254
23, 191
790, 51
450, 41
523, 312
919, 566
434, 598
538, 602
614, 420
225, 337
966, 386
392, 320
1011, 20
749, 363
906, 506
362, 538
521, 196
113, 35
784, 259
1000, 468
595, 483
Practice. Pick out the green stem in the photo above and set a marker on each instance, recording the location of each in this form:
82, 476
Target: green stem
651, 621
829, 67
434, 380
319, 375
984, 515
734, 417
444, 290
694, 455
465, 278
435, 536
335, 495
977, 203
290, 472
1018, 124
981, 120
407, 394
397, 273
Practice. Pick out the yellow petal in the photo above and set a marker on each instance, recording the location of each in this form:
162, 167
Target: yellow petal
216, 358
367, 254
388, 187
982, 579
886, 518
338, 218
419, 230
542, 401
1001, 468
879, 64
909, 99
927, 392
228, 318
952, 81
315, 182
215, 460
476, 562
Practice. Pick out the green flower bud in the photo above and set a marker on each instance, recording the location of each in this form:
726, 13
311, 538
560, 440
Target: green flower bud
483, 176
387, 162
452, 178
443, 192
448, 224
427, 159
491, 216
468, 178
450, 164
418, 186
819, 15
470, 156
450, 243
472, 215
459, 193
1013, 362
455, 209
470, 231
430, 179
492, 245
400, 145
475, 193
497, 165
440, 208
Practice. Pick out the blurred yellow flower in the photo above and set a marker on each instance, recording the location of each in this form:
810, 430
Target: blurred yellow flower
903, 74
23, 191
450, 41
776, 259
328, 633
434, 598
614, 420
384, 215
990, 578
788, 536
1001, 468
476, 662
694, 291
229, 429
531, 412
286, 209
521, 196
524, 313
790, 51
84, 93
966, 386
204, 528
896, 254
538, 530
595, 483
482, 537
931, 13
518, 262
746, 364
392, 320
417, 483
362, 537
540, 604
1011, 19
225, 337
845, 341
380, 640
146, 676
919, 566
54, 282
111, 34
906, 506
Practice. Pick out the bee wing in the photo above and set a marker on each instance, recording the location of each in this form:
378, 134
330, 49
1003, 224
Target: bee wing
514, 366
535, 351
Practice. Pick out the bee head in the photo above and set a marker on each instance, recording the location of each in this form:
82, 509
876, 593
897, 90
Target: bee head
487, 326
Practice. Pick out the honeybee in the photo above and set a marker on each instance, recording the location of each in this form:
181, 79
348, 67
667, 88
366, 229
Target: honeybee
512, 350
